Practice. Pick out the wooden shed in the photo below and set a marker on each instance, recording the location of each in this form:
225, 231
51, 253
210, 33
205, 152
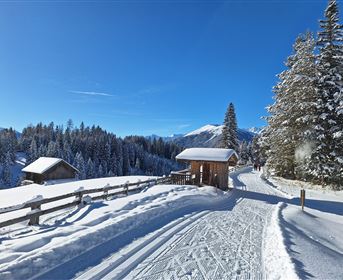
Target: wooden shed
48, 168
209, 166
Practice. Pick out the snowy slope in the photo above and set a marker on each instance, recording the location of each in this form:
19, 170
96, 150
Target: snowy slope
209, 136
62, 243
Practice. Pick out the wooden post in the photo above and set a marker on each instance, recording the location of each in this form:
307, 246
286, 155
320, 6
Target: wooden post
302, 199
106, 192
79, 197
35, 219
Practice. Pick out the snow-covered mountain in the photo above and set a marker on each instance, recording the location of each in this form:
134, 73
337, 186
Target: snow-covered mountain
255, 130
165, 138
210, 136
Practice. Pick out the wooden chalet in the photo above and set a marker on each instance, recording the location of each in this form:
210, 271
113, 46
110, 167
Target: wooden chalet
48, 168
208, 166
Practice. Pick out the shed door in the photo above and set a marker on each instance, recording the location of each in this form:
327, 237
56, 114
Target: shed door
206, 173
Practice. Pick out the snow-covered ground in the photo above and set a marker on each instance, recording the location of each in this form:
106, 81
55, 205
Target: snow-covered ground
71, 237
314, 236
183, 232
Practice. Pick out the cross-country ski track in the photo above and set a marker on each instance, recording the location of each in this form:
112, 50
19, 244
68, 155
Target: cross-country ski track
221, 243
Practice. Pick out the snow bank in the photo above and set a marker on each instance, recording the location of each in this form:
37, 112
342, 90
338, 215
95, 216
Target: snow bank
276, 260
30, 251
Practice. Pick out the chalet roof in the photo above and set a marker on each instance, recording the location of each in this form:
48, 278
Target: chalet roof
43, 164
207, 154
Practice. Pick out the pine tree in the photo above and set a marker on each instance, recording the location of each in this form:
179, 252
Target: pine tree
80, 165
232, 129
292, 114
33, 151
101, 171
6, 171
327, 158
225, 131
229, 131
90, 169
243, 152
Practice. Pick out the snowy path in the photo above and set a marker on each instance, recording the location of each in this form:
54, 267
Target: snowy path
225, 243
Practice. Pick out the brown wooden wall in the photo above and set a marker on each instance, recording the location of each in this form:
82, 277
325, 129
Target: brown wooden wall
208, 173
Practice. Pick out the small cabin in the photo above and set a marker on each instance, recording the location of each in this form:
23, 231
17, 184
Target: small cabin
48, 168
209, 166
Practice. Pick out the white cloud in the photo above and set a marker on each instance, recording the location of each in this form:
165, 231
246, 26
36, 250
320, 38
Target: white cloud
91, 93
183, 126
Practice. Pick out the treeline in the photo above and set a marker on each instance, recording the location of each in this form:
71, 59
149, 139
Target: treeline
92, 150
304, 136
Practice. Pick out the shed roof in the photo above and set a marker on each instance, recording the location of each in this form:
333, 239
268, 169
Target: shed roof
43, 164
207, 154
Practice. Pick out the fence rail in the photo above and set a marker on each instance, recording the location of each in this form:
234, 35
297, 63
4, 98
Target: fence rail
35, 205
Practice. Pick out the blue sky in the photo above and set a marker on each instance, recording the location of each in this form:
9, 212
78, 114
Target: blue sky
144, 67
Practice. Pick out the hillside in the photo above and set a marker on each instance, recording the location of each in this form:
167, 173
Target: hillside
93, 151
210, 136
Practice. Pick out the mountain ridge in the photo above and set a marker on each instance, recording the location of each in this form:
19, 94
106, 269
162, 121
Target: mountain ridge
208, 136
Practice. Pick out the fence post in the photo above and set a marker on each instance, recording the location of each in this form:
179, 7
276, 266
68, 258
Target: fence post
106, 192
35, 219
302, 199
79, 196
126, 187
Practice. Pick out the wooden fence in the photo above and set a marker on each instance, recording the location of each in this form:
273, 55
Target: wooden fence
183, 177
104, 193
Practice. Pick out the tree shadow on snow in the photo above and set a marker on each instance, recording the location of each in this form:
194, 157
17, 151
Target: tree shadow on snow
328, 206
287, 229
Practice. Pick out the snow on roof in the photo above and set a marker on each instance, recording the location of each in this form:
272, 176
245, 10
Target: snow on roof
207, 154
42, 164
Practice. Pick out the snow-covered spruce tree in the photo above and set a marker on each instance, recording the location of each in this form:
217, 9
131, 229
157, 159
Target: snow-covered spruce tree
244, 152
81, 166
90, 169
229, 133
225, 131
33, 151
291, 115
6, 171
255, 150
327, 159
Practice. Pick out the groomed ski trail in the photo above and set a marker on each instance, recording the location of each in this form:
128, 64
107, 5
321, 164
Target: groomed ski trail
225, 243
